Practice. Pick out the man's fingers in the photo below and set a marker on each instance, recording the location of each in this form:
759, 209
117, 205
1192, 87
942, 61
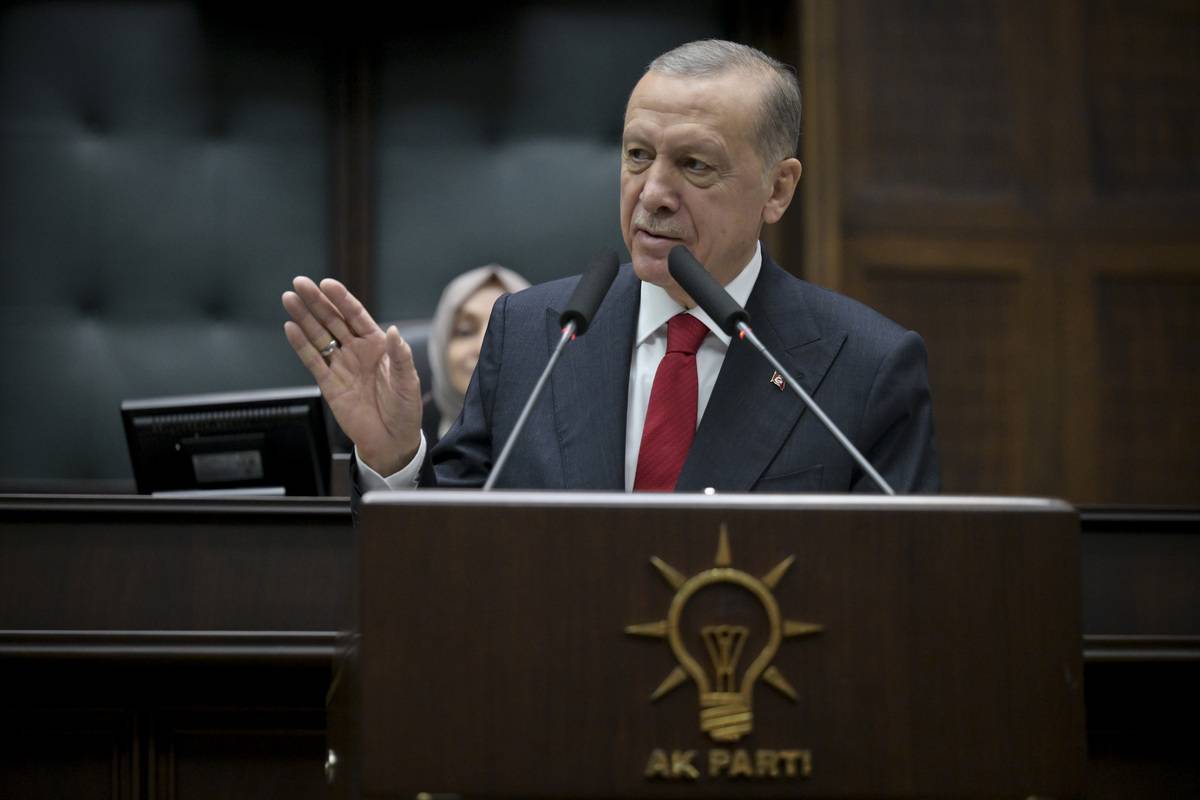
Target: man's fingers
316, 333
308, 354
399, 350
349, 307
326, 321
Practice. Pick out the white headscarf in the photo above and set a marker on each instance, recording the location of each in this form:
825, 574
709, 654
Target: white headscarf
447, 399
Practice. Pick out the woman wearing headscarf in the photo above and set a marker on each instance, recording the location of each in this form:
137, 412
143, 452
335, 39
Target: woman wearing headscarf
455, 338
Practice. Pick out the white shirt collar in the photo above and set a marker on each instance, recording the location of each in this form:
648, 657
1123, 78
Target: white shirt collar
657, 306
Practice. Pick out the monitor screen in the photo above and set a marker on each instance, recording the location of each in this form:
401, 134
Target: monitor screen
272, 441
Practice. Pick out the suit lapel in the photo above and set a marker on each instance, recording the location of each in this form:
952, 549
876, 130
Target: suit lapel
748, 418
591, 389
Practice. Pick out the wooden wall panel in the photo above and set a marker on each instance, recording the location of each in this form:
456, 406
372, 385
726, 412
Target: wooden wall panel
1143, 78
926, 94
1149, 386
1134, 374
1067, 133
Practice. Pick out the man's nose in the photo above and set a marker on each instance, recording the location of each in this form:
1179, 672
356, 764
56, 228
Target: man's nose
659, 192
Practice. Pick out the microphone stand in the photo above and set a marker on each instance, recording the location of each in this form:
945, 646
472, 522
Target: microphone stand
568, 333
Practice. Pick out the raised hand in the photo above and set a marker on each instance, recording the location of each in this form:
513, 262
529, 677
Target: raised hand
367, 376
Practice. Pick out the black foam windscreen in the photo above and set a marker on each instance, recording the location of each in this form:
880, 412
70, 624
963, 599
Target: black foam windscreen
589, 292
702, 287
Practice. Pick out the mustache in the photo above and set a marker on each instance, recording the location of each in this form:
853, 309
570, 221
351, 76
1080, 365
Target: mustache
657, 225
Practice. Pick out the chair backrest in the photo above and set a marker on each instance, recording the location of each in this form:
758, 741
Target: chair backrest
164, 177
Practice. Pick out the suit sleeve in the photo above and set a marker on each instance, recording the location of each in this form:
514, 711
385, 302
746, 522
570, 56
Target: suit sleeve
897, 427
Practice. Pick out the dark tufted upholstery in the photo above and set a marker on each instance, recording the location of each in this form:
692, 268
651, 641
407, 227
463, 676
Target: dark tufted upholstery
163, 180
165, 169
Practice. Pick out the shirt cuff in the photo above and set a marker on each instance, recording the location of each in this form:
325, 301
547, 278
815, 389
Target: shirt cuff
404, 478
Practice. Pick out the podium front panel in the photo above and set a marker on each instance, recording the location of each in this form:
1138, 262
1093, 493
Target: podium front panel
594, 645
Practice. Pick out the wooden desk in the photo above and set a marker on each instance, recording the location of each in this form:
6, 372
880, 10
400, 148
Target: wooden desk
154, 648
1141, 620
161, 647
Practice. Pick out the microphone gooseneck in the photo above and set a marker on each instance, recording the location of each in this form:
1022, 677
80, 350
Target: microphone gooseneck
702, 287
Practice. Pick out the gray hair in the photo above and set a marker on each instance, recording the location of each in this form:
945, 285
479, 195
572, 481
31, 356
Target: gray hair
777, 132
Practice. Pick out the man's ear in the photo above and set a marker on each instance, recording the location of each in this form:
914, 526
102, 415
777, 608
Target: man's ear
784, 178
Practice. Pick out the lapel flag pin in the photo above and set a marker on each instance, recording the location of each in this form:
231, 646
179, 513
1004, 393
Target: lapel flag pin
777, 379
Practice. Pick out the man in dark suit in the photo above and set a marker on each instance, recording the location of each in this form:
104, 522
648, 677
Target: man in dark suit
655, 396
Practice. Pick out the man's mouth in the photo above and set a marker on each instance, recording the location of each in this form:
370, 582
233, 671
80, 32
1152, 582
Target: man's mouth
658, 237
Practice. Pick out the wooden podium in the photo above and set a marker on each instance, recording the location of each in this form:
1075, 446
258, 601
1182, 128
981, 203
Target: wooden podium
617, 646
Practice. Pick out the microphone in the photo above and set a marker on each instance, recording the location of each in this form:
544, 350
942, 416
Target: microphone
575, 320
702, 287
589, 292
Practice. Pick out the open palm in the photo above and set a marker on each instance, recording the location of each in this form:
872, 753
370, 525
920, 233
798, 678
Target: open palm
369, 380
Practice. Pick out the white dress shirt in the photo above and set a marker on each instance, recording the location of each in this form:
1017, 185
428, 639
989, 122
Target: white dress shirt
655, 309
650, 346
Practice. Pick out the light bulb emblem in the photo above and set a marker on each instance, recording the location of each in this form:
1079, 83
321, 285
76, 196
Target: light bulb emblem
726, 703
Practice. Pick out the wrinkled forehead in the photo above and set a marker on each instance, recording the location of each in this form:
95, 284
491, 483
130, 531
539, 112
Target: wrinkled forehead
728, 102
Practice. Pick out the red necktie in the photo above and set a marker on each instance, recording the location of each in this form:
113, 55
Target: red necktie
671, 416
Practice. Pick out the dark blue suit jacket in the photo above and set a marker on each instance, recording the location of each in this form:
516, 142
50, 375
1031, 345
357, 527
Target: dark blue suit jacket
868, 374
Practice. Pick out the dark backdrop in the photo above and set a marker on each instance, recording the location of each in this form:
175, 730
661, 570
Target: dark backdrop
168, 167
1018, 181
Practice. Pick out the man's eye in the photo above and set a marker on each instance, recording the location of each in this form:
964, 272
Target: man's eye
638, 154
695, 165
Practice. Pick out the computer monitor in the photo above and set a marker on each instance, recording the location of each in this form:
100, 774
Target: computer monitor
272, 441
